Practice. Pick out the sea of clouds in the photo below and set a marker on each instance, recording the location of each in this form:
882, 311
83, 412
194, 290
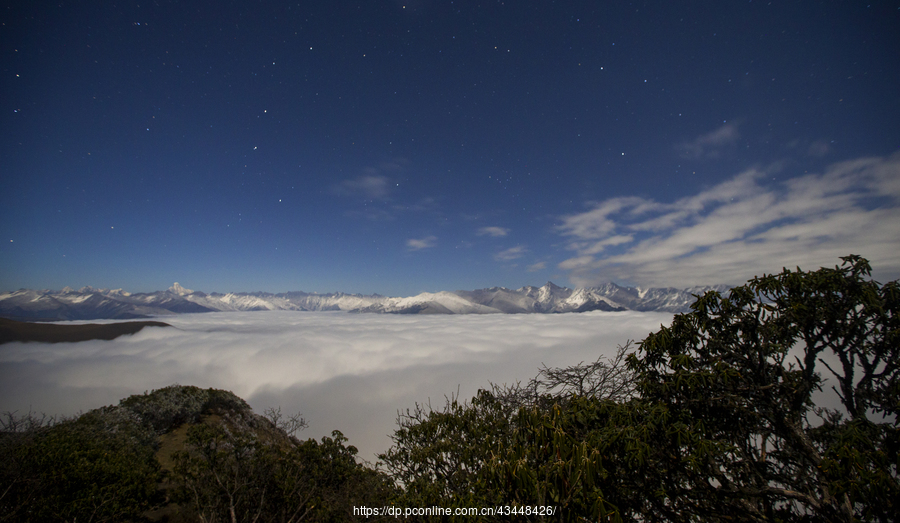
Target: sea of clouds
342, 371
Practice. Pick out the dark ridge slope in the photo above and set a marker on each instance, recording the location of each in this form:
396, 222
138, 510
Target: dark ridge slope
44, 332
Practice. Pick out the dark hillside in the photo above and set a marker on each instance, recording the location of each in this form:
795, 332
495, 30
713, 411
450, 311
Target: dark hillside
11, 330
179, 454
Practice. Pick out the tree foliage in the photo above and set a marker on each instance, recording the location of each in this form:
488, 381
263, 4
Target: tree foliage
727, 419
229, 473
98, 467
439, 456
233, 465
458, 456
738, 378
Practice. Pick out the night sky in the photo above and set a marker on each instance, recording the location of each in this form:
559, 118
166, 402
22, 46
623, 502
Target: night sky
396, 147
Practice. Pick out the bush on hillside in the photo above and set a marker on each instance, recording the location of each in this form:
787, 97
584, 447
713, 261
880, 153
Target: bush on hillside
167, 408
721, 425
98, 467
226, 474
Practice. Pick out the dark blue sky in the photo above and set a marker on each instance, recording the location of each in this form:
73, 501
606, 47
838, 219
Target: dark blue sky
396, 147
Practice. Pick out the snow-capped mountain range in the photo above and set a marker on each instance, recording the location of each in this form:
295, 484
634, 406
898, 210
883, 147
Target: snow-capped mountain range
89, 304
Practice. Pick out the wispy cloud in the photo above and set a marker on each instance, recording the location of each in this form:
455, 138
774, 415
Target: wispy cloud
373, 184
742, 227
818, 148
496, 232
370, 187
427, 242
379, 194
710, 145
426, 204
511, 254
537, 266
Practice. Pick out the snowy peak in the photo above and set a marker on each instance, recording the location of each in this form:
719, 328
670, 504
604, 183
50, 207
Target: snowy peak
435, 303
545, 296
551, 292
179, 290
89, 303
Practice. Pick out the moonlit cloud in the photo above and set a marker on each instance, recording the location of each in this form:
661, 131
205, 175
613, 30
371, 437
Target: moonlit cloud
818, 148
742, 227
422, 243
511, 254
496, 232
371, 187
350, 372
710, 145
426, 204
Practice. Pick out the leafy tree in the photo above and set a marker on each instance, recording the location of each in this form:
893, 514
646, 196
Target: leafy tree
736, 379
439, 455
339, 482
19, 480
234, 470
458, 456
721, 425
98, 467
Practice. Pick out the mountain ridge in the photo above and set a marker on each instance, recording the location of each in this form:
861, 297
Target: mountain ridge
89, 303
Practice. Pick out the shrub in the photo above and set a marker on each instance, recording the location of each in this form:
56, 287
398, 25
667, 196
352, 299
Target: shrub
97, 467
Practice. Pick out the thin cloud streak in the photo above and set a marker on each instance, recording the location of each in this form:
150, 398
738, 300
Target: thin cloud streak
496, 232
370, 187
511, 254
710, 145
414, 244
348, 372
742, 227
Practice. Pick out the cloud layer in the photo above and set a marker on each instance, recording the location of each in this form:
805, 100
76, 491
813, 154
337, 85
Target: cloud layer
742, 227
350, 372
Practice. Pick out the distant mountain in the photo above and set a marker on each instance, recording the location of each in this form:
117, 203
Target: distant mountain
88, 303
